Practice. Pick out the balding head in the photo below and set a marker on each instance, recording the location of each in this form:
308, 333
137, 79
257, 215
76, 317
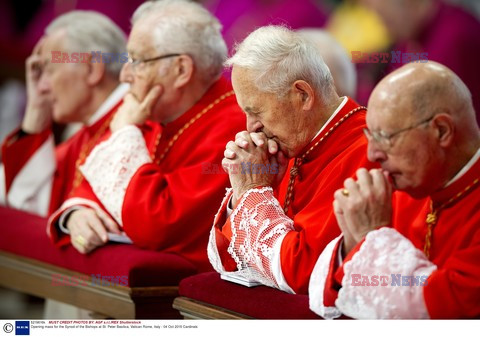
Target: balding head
419, 89
426, 113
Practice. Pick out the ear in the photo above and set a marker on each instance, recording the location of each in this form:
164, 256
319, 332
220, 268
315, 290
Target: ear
96, 72
184, 68
304, 94
445, 129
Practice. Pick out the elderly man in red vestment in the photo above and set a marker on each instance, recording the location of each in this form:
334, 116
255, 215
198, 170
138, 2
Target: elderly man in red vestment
152, 177
302, 141
422, 130
67, 87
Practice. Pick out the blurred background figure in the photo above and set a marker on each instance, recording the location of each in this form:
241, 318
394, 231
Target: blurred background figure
21, 26
336, 58
359, 29
239, 18
35, 175
447, 33
445, 29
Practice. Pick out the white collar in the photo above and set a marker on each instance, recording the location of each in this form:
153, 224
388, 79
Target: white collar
467, 167
340, 107
109, 103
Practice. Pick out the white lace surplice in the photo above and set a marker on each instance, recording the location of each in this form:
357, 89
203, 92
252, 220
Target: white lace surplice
111, 165
385, 252
258, 228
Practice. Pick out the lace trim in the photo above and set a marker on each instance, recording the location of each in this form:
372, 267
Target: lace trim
111, 165
258, 222
387, 253
318, 278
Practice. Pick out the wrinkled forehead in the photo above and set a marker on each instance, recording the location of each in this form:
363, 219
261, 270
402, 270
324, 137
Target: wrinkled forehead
141, 40
377, 118
244, 86
53, 42
387, 111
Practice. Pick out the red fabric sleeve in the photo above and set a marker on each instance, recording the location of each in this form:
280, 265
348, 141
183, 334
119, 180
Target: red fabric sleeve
316, 224
16, 151
226, 229
173, 211
338, 273
453, 290
223, 235
222, 246
171, 206
331, 285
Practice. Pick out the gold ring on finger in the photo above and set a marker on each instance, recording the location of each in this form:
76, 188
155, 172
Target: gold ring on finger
80, 240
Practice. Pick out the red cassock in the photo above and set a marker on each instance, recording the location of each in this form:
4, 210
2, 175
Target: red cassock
262, 243
163, 184
38, 176
394, 274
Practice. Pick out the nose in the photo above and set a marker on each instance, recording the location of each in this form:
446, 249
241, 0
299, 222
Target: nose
126, 74
375, 153
253, 125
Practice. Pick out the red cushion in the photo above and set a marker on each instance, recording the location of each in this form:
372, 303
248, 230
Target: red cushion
25, 235
257, 302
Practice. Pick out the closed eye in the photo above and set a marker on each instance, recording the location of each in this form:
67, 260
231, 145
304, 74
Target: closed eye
251, 111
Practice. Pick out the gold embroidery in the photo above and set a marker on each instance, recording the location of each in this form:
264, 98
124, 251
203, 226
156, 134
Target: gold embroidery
432, 216
183, 128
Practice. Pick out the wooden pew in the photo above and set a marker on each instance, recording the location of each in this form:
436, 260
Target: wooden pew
29, 263
192, 309
206, 296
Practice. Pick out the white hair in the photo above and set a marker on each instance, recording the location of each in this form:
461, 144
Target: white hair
336, 58
89, 31
277, 56
182, 26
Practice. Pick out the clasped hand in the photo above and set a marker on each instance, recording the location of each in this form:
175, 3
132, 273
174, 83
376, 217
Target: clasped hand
253, 160
363, 205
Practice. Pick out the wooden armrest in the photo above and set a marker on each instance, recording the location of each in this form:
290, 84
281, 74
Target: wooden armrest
192, 309
116, 301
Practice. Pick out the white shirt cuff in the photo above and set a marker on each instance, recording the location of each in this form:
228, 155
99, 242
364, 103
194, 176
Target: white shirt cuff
339, 253
62, 221
229, 207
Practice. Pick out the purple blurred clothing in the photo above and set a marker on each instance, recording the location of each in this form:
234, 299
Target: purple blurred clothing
17, 46
450, 37
239, 18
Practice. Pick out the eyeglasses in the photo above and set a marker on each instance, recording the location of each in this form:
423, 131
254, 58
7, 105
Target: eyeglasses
135, 63
384, 140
